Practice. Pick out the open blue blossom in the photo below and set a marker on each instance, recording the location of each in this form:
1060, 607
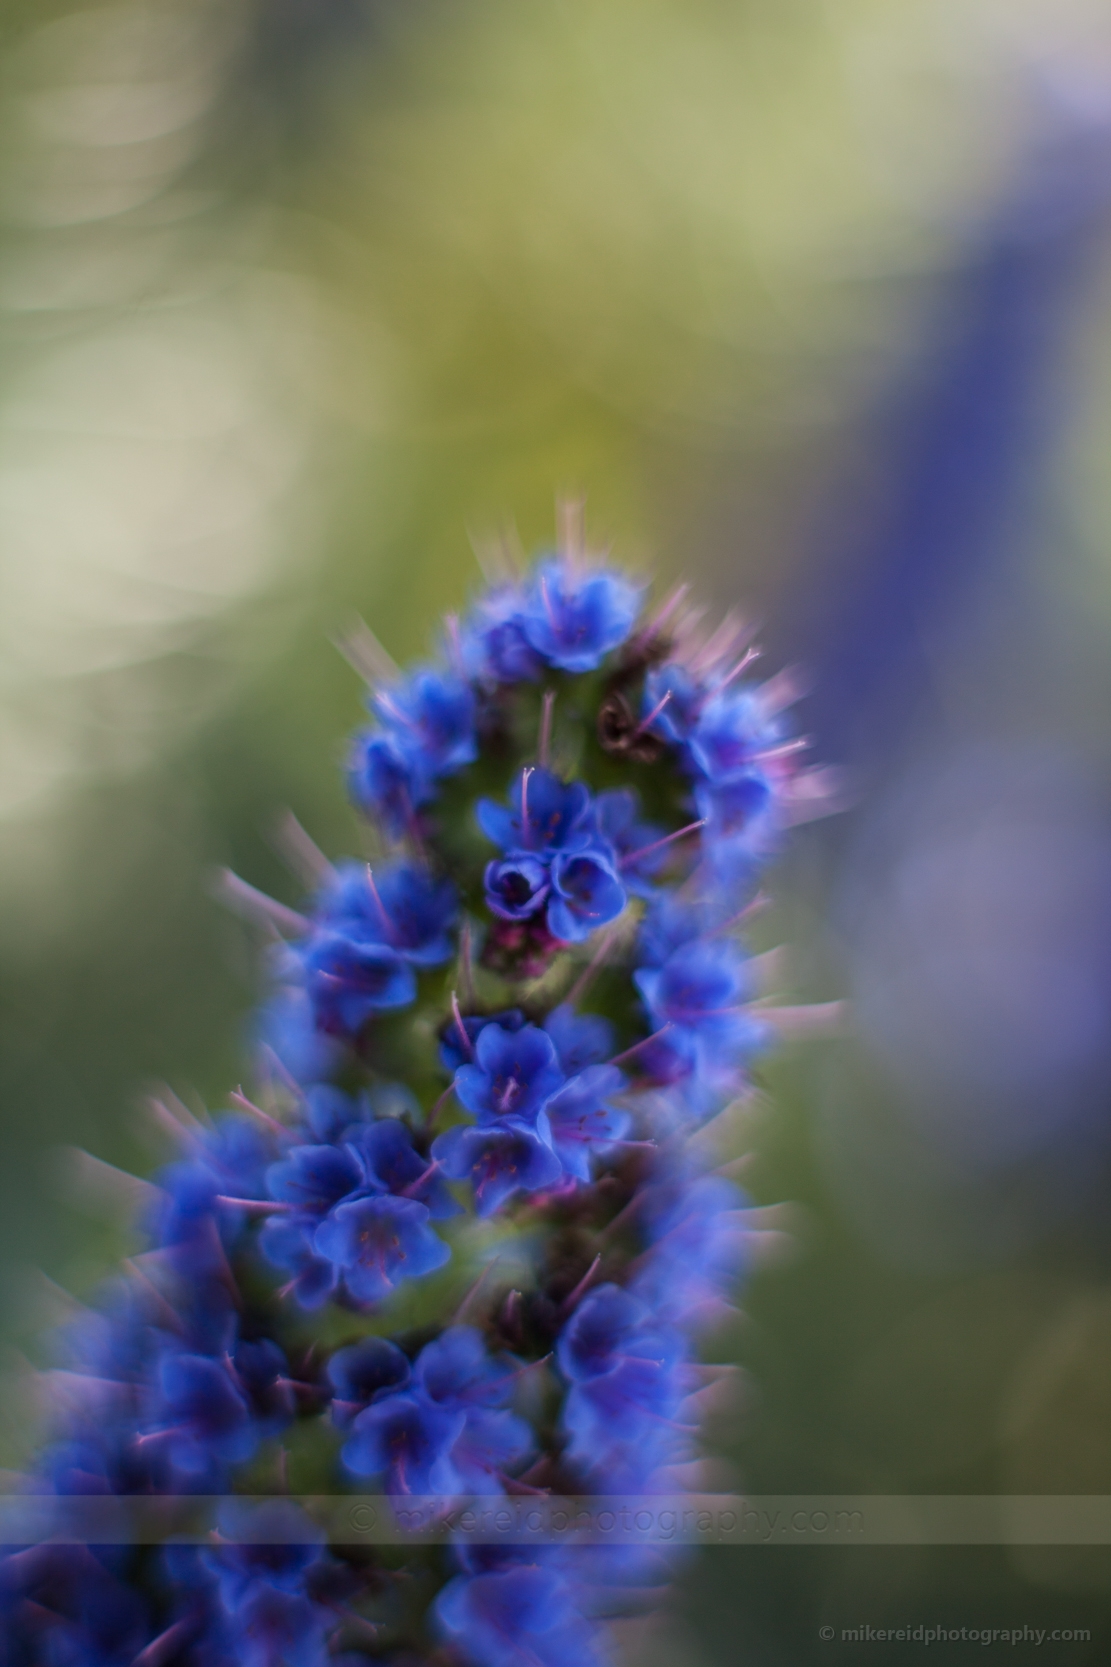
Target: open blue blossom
384, 781
198, 1415
270, 1624
671, 703
544, 815
493, 643
377, 1242
574, 619
274, 1543
327, 1111
457, 1370
430, 716
618, 828
581, 1120
517, 886
524, 1616
497, 1161
700, 989
392, 1164
700, 1238
361, 1373
288, 1242
406, 1439
313, 1178
580, 1039
621, 1413
349, 981
731, 733
586, 893
490, 1446
513, 1075
454, 1052
400, 905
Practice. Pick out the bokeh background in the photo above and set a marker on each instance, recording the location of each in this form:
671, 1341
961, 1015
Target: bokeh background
300, 300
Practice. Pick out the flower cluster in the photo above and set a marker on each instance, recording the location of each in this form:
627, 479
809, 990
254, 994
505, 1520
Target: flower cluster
511, 1023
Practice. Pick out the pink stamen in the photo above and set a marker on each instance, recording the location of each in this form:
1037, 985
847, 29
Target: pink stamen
379, 905
163, 1647
745, 661
455, 643
657, 845
468, 1045
411, 1190
513, 1484
466, 962
439, 1106
546, 708
159, 1435
666, 609
645, 723
525, 774
572, 1297
586, 978
248, 900
254, 1206
784, 750
238, 1098
465, 1305
643, 1043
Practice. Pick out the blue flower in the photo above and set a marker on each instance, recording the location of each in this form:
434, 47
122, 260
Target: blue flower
701, 989
586, 894
580, 1120
546, 814
488, 1447
377, 1242
452, 1051
430, 717
384, 782
393, 1164
517, 886
672, 702
513, 1075
617, 827
270, 1624
286, 1028
700, 1241
575, 619
731, 732
199, 1416
580, 1039
348, 982
275, 1543
287, 1242
261, 1373
621, 1414
494, 645
399, 905
457, 1370
522, 1616
313, 1178
407, 1439
362, 1372
327, 1111
498, 1161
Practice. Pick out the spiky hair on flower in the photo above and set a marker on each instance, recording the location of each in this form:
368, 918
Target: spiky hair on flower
467, 1235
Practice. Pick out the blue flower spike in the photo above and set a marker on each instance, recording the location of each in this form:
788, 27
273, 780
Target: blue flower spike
511, 1019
